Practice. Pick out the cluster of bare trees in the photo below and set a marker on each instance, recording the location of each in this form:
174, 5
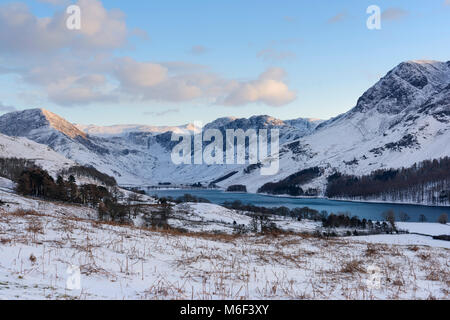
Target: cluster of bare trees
11, 168
425, 182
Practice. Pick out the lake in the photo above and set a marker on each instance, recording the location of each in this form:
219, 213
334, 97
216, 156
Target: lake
361, 209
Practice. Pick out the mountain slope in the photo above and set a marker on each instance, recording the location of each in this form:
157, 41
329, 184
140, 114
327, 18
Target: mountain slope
42, 155
401, 120
63, 137
37, 124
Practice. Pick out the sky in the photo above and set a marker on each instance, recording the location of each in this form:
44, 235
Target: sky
174, 62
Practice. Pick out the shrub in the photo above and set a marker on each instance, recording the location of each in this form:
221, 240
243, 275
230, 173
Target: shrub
404, 217
237, 188
443, 218
389, 216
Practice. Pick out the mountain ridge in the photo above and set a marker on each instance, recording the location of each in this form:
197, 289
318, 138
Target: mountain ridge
22, 123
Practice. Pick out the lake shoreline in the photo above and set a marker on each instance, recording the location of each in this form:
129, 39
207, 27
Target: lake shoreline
356, 201
306, 197
368, 210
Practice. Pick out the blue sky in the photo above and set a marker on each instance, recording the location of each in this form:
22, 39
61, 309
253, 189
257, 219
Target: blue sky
319, 56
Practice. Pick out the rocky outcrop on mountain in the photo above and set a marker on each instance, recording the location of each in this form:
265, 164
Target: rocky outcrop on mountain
409, 85
35, 122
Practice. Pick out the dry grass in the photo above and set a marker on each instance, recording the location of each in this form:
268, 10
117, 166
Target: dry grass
372, 250
221, 266
354, 266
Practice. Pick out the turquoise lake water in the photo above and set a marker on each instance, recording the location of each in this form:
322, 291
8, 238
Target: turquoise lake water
361, 209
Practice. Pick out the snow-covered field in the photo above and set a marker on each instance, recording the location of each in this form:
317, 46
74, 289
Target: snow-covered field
206, 217
125, 262
14, 202
404, 240
432, 229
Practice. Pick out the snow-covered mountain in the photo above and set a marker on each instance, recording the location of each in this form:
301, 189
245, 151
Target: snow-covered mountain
123, 130
42, 155
289, 130
401, 120
134, 155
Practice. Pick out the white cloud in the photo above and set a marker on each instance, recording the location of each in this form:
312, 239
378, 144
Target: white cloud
151, 81
80, 90
77, 68
269, 89
139, 75
101, 29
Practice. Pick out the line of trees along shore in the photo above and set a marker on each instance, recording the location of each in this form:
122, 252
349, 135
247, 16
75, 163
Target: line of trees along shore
427, 182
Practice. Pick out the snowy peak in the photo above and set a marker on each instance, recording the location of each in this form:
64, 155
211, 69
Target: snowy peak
421, 73
25, 123
408, 85
123, 130
262, 122
62, 125
304, 123
255, 122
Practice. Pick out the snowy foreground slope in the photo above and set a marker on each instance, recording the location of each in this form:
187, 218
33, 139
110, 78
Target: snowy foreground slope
127, 263
39, 248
